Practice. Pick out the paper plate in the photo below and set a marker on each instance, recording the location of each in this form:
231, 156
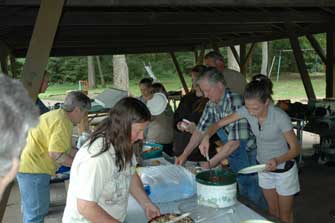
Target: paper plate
252, 169
256, 221
157, 104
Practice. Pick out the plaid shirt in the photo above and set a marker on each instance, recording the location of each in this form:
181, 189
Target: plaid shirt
213, 112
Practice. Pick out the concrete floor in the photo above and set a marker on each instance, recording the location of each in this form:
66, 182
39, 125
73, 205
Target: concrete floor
313, 204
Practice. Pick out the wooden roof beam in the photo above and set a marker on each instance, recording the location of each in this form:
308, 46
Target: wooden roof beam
315, 44
99, 17
194, 3
40, 45
300, 62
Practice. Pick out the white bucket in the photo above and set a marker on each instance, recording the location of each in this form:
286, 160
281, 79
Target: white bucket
216, 196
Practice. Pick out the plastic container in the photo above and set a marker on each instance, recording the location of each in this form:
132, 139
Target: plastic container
152, 150
216, 188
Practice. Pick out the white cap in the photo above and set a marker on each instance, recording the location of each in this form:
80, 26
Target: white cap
157, 104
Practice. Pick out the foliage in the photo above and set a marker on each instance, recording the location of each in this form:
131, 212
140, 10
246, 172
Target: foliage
72, 69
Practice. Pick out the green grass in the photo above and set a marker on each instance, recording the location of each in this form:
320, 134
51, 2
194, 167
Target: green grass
288, 87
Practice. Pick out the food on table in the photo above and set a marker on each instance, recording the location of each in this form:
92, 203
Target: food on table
216, 179
167, 217
155, 163
151, 149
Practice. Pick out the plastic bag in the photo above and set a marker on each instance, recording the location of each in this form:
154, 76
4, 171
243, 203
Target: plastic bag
168, 183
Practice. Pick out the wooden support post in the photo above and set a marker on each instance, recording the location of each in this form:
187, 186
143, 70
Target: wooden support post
315, 44
179, 72
243, 64
330, 65
216, 47
201, 55
251, 49
196, 56
306, 80
13, 66
4, 53
4, 200
40, 45
4, 63
237, 57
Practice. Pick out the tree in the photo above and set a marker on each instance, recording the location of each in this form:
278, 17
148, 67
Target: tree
102, 79
265, 58
120, 72
232, 63
91, 72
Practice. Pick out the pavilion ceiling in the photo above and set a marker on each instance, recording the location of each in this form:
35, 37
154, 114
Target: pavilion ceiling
143, 26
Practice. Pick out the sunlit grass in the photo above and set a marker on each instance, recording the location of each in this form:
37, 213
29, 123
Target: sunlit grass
289, 86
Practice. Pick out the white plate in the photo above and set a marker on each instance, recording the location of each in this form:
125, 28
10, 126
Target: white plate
256, 221
157, 104
252, 169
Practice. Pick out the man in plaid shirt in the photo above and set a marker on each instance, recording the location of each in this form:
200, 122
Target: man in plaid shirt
239, 142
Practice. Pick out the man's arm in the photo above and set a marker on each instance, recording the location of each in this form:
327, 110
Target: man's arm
226, 150
204, 145
192, 144
73, 152
93, 212
61, 158
136, 189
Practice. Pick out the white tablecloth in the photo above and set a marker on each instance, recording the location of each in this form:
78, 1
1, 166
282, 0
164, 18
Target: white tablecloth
235, 214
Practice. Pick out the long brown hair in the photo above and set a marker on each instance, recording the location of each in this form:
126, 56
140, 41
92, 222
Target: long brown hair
116, 129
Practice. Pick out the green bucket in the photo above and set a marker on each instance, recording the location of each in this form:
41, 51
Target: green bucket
224, 176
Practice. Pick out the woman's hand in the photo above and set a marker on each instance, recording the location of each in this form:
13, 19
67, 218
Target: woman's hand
271, 165
180, 160
204, 146
151, 210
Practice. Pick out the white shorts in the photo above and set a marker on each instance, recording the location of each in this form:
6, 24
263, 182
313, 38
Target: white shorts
286, 183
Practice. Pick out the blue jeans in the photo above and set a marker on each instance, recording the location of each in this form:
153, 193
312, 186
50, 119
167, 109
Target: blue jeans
35, 196
247, 183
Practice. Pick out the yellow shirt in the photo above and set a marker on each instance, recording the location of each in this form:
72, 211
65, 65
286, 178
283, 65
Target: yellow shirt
53, 134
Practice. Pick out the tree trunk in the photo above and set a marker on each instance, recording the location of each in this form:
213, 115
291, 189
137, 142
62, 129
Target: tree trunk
120, 72
91, 72
265, 58
232, 63
102, 79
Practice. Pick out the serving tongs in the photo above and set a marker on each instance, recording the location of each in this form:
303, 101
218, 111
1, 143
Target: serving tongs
209, 165
178, 218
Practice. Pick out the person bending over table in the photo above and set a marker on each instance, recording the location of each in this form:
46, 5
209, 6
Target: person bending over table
103, 171
239, 143
277, 146
48, 147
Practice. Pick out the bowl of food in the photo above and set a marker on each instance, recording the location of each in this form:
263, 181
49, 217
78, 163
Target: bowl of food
152, 150
164, 218
216, 188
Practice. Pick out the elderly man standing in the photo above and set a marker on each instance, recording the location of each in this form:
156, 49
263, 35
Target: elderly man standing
17, 115
239, 143
48, 147
234, 79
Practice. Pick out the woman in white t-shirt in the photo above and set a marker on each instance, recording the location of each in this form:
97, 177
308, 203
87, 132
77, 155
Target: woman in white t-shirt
277, 146
103, 171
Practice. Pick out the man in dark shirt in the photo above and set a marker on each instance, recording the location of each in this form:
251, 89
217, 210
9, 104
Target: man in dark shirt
190, 108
